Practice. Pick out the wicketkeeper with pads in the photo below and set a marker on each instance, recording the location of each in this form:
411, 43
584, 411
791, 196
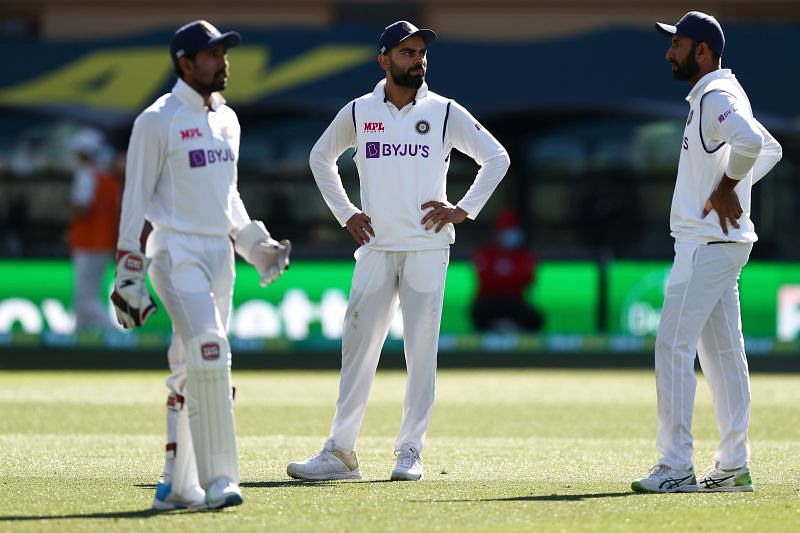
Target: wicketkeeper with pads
133, 304
270, 257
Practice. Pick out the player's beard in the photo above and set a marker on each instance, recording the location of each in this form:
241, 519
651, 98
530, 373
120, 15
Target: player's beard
688, 69
404, 79
217, 83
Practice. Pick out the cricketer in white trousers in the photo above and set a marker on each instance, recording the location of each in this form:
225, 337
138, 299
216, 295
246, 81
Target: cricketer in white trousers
193, 276
380, 279
701, 312
181, 176
402, 158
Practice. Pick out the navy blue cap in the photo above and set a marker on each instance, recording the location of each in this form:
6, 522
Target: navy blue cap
401, 30
700, 27
197, 36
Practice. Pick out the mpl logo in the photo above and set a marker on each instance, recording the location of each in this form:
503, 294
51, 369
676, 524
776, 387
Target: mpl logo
375, 150
201, 158
210, 351
191, 133
373, 127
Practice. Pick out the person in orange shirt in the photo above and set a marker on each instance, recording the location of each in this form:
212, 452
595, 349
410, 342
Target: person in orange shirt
505, 270
95, 201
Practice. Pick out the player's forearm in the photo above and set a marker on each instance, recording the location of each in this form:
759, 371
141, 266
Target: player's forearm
330, 185
486, 181
771, 153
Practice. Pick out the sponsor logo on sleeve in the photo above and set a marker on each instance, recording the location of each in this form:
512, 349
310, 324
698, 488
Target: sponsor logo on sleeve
726, 114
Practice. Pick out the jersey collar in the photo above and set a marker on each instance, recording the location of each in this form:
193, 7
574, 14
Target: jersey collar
697, 90
380, 91
192, 98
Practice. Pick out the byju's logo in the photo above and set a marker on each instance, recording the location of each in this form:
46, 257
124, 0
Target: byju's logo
197, 158
375, 150
201, 158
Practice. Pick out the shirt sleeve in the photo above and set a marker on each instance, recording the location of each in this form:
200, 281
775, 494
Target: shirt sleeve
466, 135
338, 137
724, 120
238, 213
146, 154
771, 153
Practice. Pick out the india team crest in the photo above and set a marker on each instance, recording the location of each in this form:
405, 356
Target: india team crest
422, 127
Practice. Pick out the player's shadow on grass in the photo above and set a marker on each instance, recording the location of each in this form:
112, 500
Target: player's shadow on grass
307, 482
286, 483
117, 515
543, 498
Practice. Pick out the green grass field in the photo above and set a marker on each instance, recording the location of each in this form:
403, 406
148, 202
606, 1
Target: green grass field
508, 450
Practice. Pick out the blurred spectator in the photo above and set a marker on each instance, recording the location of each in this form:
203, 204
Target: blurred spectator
95, 200
506, 269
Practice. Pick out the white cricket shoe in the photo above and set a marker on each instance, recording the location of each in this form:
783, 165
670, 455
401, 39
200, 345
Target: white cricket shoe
168, 500
409, 464
663, 478
328, 464
719, 480
223, 493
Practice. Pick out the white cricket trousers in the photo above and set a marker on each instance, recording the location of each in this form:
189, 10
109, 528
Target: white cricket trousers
193, 276
701, 314
381, 277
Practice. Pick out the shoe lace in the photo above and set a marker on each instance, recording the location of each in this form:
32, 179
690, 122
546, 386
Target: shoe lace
658, 470
407, 458
323, 455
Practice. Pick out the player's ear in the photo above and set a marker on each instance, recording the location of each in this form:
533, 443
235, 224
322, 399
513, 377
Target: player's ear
383, 61
701, 51
186, 64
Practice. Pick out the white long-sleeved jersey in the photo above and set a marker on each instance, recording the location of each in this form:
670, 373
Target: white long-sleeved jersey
402, 158
721, 135
181, 169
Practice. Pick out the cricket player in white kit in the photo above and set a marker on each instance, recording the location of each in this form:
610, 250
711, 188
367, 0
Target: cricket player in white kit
724, 151
403, 134
181, 177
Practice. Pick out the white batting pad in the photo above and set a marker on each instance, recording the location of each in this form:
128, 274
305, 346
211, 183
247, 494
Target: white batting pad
209, 397
180, 468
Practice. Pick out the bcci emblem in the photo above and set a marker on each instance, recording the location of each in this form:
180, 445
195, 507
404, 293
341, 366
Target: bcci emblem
423, 127
691, 114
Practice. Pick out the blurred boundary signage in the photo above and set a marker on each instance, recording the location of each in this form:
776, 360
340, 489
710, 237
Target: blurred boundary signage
305, 309
769, 293
310, 301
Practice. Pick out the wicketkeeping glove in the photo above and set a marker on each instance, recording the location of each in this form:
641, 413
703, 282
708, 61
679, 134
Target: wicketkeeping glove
270, 257
132, 302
